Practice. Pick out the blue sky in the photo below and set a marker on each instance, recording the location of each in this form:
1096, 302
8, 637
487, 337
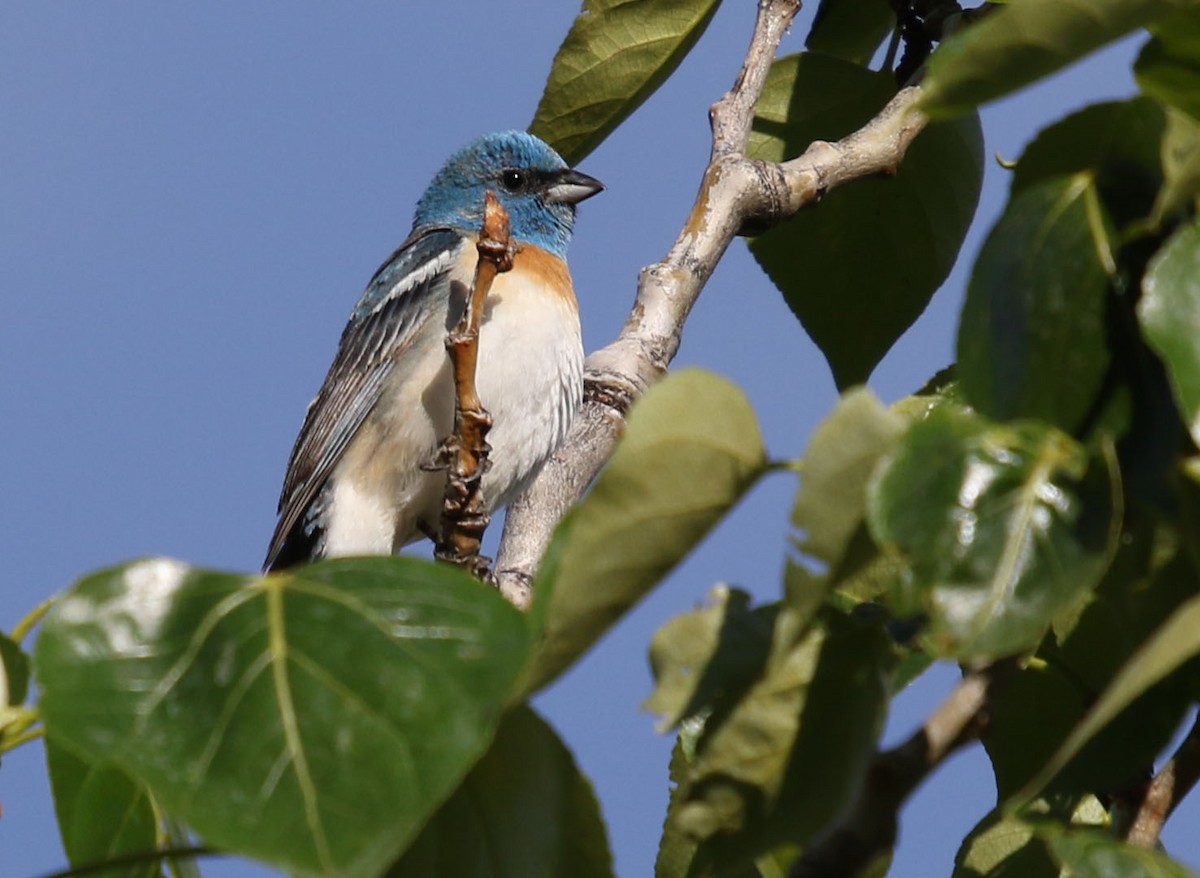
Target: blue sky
192, 197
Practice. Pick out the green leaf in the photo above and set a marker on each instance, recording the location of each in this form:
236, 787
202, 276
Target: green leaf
860, 268
1002, 526
790, 756
102, 814
1168, 67
1031, 341
1117, 141
1180, 164
1096, 854
843, 452
1173, 644
1024, 41
850, 29
617, 54
524, 811
14, 673
1169, 311
691, 448
1005, 845
314, 719
701, 656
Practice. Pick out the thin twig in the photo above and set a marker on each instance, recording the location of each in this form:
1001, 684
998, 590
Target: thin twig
465, 452
736, 193
1167, 789
869, 830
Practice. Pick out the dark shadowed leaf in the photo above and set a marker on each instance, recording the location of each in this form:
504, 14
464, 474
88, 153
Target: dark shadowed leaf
707, 654
850, 29
1168, 67
102, 814
614, 57
314, 719
524, 811
1180, 164
1023, 41
1002, 527
691, 448
1118, 141
14, 665
1169, 311
1031, 341
858, 269
789, 756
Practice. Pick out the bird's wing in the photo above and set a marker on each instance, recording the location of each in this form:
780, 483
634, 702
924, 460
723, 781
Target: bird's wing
383, 324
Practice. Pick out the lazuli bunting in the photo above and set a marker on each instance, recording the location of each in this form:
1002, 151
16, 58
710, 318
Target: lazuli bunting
355, 482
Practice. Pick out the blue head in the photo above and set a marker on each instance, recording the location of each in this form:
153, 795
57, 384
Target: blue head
531, 180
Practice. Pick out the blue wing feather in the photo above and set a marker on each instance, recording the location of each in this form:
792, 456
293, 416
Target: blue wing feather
381, 327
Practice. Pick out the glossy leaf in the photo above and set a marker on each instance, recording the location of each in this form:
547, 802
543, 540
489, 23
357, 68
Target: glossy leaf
788, 758
102, 814
1169, 311
524, 811
617, 53
1174, 643
850, 29
1168, 67
861, 267
1032, 341
1023, 41
1118, 142
691, 448
1002, 528
314, 719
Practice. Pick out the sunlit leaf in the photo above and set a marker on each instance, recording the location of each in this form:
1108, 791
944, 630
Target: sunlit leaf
1031, 341
1009, 845
1002, 527
861, 267
1169, 311
1023, 41
1096, 854
691, 448
314, 719
524, 811
616, 55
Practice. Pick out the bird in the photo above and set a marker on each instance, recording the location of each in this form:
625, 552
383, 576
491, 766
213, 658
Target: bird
358, 480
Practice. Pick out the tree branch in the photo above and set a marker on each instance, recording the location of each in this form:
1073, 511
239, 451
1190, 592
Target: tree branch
869, 830
736, 193
464, 454
1168, 788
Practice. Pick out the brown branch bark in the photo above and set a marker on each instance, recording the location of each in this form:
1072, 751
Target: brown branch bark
869, 830
735, 193
464, 454
1166, 790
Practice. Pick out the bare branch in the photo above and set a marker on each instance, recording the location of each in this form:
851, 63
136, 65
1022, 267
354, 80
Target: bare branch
464, 454
869, 830
1168, 788
736, 193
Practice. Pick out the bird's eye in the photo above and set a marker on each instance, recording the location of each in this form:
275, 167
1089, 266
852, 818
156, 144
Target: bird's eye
512, 180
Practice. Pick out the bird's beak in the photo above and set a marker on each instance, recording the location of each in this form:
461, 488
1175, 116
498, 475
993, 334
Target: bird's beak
570, 187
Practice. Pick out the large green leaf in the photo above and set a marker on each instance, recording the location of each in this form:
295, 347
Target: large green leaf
850, 29
614, 57
102, 814
1117, 141
1002, 527
1177, 641
1168, 67
524, 811
314, 719
1006, 845
1093, 853
691, 448
788, 758
1169, 311
1031, 341
1025, 40
858, 270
